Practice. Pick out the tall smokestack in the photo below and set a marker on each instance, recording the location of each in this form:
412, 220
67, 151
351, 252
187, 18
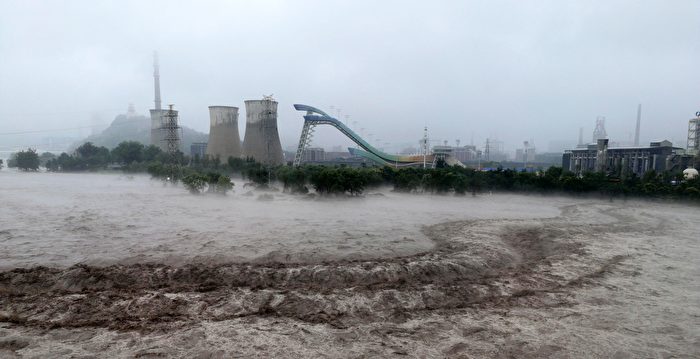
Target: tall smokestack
639, 121
262, 140
156, 80
157, 133
580, 137
224, 140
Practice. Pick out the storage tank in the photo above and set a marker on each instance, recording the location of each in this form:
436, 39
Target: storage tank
224, 140
262, 140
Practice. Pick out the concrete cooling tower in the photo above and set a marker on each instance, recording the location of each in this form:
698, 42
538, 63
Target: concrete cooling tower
224, 140
262, 141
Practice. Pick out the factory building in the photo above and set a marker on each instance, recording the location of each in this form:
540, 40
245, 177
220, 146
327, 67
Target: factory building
465, 153
261, 141
527, 153
224, 140
461, 153
314, 154
658, 156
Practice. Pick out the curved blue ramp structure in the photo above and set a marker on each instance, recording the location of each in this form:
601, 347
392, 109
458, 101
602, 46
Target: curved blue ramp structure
315, 117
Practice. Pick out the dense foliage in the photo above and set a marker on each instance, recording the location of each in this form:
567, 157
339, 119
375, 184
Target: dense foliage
45, 157
25, 160
213, 175
86, 157
214, 182
129, 155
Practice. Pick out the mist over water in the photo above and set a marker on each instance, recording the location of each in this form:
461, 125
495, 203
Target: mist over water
62, 219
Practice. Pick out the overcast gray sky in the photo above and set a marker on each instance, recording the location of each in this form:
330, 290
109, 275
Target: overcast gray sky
514, 70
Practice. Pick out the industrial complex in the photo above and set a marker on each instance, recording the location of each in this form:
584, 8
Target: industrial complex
659, 156
261, 142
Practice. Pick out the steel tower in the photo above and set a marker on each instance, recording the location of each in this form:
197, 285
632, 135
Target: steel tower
171, 131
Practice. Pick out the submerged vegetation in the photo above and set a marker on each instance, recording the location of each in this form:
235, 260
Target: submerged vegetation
211, 175
214, 182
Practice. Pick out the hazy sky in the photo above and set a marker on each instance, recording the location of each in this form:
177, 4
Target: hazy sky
513, 70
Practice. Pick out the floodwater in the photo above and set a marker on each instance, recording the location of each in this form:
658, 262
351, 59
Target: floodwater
124, 266
101, 219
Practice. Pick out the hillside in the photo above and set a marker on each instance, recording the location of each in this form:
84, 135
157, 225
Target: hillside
136, 128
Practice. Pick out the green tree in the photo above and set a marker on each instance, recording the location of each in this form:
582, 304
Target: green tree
222, 184
128, 152
195, 182
461, 184
236, 164
27, 160
151, 153
45, 157
293, 179
260, 175
92, 157
407, 180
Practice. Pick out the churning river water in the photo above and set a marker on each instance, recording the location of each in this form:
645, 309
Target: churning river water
109, 265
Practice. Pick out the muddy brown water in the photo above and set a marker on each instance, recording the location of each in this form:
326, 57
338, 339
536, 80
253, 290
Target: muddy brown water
122, 266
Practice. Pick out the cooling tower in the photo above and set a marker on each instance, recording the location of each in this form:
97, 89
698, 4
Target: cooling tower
156, 129
224, 140
262, 141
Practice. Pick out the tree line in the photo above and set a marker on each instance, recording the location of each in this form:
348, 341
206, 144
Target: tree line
209, 174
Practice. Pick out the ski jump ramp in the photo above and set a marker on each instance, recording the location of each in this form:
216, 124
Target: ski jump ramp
315, 117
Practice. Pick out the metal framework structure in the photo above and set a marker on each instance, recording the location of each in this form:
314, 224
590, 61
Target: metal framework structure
599, 132
307, 133
171, 131
694, 133
315, 117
